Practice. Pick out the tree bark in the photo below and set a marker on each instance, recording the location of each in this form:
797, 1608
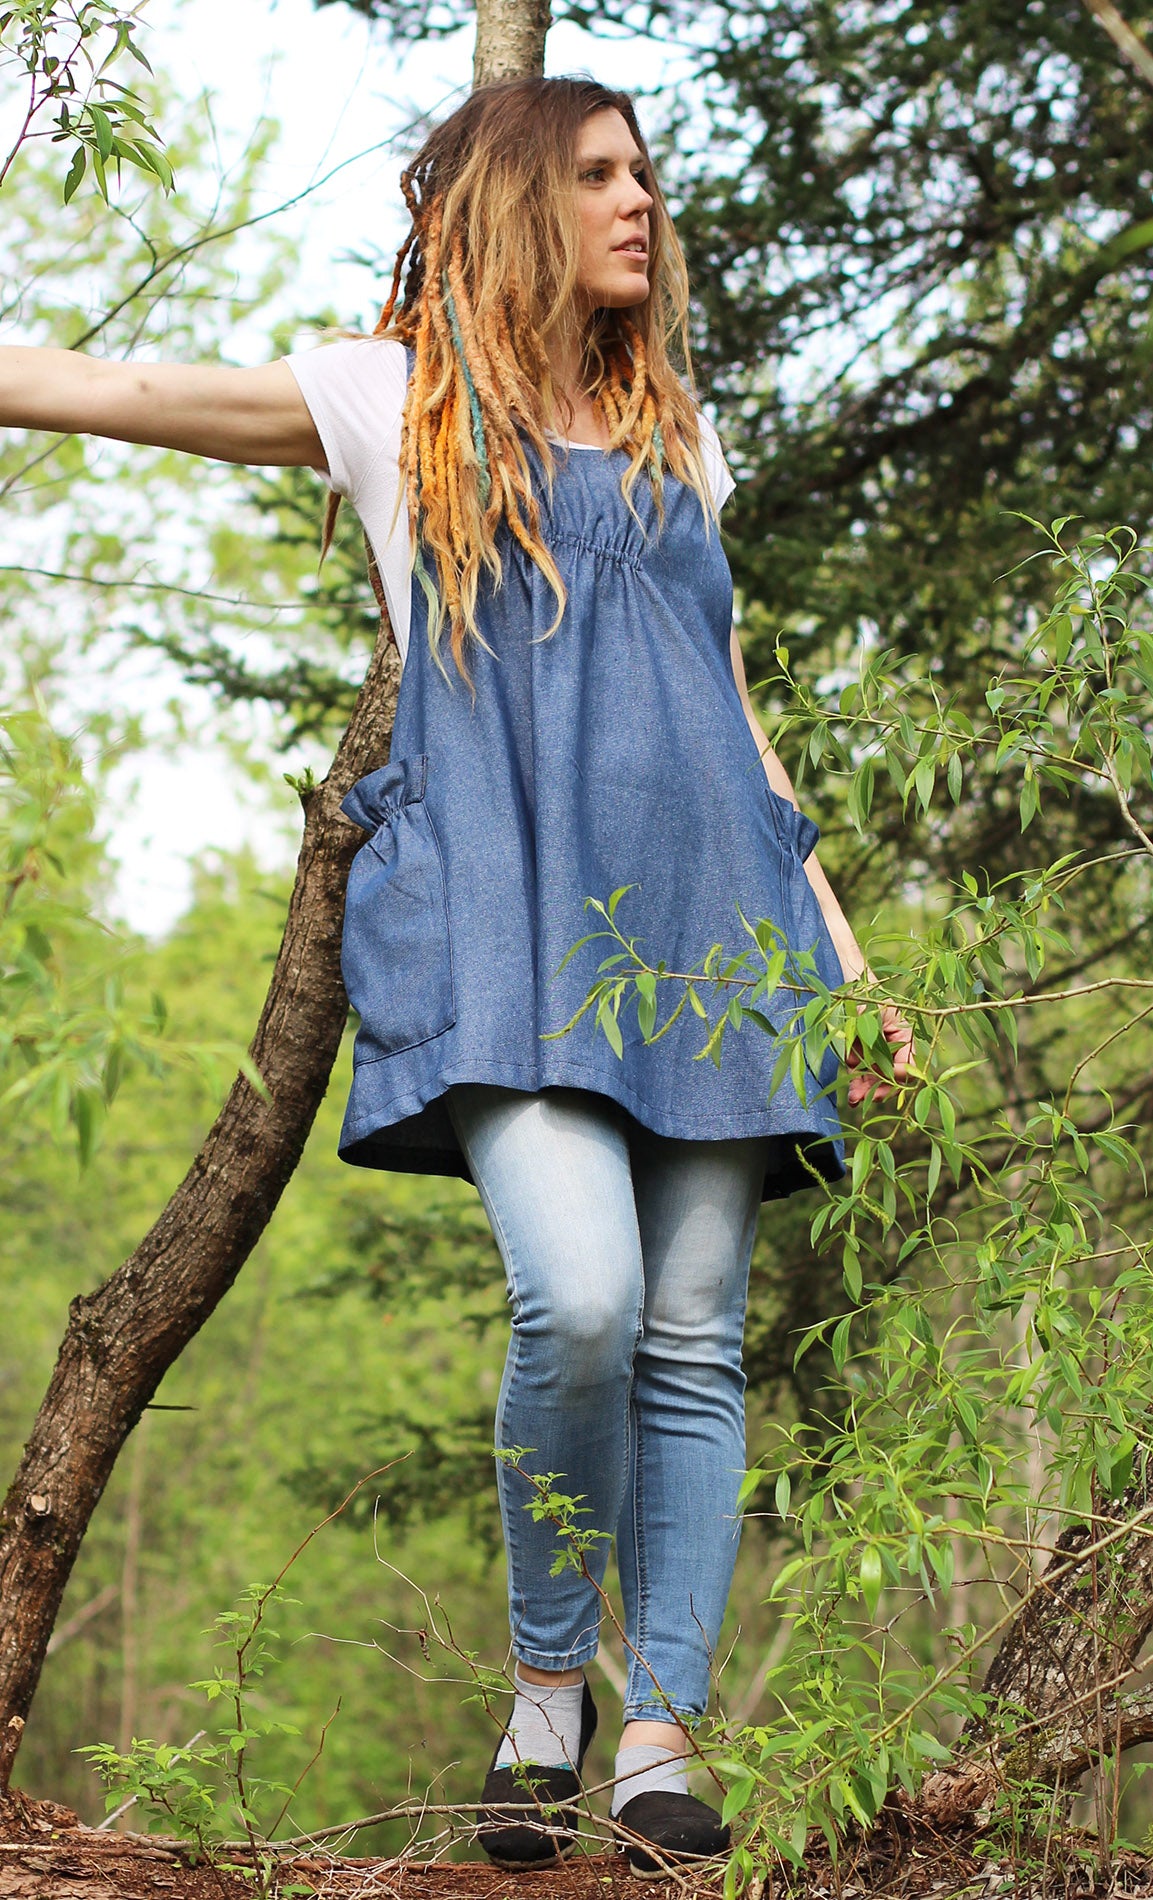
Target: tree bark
122, 1339
1057, 1683
510, 37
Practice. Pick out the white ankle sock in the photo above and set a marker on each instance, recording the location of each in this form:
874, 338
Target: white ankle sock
545, 1725
647, 1769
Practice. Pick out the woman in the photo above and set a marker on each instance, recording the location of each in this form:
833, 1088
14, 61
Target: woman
541, 494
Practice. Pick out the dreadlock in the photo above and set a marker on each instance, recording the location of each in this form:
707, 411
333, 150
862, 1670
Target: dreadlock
482, 284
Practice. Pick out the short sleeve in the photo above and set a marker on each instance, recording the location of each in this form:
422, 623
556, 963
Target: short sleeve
354, 390
721, 483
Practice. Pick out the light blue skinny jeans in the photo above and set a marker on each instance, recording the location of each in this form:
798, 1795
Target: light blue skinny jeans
627, 1258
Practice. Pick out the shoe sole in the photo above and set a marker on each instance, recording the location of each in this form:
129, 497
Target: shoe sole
670, 1864
529, 1866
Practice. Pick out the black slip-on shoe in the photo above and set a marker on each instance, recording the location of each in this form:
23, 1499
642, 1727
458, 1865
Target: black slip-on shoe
672, 1828
523, 1839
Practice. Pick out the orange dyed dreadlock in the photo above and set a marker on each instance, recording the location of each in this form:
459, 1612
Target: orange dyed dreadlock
489, 270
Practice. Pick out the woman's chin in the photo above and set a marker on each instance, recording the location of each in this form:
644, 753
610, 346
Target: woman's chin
625, 296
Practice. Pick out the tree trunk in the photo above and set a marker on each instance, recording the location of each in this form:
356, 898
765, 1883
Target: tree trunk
510, 36
122, 1339
1057, 1682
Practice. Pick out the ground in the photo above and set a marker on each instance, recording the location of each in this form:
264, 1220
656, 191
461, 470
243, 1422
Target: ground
46, 1853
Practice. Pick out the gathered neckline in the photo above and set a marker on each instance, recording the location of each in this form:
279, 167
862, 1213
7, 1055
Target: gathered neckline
564, 442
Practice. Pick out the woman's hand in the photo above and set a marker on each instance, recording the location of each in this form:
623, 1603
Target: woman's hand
869, 1082
232, 415
897, 1033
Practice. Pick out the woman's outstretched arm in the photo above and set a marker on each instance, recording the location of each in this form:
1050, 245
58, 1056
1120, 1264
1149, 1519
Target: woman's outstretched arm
231, 415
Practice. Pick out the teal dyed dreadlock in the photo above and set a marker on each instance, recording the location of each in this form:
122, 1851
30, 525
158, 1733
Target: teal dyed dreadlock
480, 447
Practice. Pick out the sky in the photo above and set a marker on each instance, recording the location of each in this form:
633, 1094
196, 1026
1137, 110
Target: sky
339, 89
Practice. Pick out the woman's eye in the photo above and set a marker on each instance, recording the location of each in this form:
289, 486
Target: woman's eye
592, 177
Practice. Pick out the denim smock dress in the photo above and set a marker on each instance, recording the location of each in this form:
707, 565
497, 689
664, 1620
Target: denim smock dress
615, 752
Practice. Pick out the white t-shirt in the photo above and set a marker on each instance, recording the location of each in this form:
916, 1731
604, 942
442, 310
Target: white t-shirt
355, 392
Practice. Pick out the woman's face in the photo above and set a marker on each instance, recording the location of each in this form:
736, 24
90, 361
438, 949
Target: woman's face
613, 205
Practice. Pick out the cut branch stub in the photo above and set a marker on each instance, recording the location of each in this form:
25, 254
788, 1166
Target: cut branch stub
510, 37
122, 1339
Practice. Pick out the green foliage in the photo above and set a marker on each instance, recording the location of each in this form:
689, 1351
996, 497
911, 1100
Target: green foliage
209, 1788
66, 1035
921, 241
547, 1504
999, 1295
73, 1022
64, 51
278, 1382
110, 545
311, 677
434, 1468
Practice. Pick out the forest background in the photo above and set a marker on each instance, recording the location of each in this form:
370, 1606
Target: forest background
920, 240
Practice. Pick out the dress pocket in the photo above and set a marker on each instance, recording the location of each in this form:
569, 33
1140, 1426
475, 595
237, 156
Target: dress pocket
798, 836
396, 955
796, 832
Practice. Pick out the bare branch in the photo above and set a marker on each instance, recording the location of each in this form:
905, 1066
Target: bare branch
1124, 38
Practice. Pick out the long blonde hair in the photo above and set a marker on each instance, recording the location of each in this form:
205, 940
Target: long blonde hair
483, 284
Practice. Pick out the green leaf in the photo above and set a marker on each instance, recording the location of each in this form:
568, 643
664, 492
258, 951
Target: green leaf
933, 1171
872, 1576
738, 1796
749, 1485
941, 1556
75, 173
606, 1017
851, 1272
783, 1493
148, 158
1121, 1466
925, 779
102, 128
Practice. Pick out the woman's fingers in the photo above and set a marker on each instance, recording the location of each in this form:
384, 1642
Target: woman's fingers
868, 1082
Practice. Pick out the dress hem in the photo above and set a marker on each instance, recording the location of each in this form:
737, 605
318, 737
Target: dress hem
375, 1140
